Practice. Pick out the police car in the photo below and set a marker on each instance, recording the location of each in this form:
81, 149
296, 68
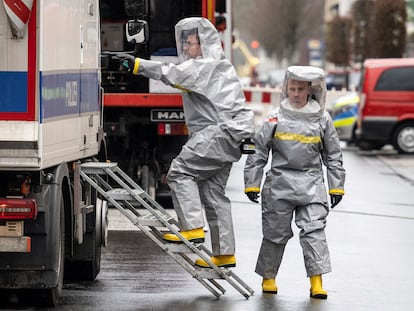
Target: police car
344, 114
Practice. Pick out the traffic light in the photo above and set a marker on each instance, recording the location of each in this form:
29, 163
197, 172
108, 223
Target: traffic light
254, 44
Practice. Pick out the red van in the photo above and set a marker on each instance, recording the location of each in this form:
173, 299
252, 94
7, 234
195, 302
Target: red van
386, 107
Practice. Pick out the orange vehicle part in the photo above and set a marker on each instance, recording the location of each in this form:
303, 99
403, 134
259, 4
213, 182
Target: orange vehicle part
142, 100
208, 9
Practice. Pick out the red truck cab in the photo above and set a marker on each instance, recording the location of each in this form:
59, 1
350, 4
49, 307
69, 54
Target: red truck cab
386, 108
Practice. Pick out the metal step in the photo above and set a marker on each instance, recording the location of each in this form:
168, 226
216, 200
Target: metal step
97, 167
152, 221
179, 247
123, 195
209, 273
126, 196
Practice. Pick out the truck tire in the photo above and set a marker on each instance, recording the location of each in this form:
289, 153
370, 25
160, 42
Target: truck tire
88, 269
102, 221
403, 138
92, 267
51, 295
87, 262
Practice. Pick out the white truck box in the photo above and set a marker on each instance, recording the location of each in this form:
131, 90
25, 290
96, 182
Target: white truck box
49, 85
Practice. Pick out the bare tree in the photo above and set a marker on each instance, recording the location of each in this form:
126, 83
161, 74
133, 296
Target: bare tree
280, 25
292, 13
378, 29
337, 41
390, 19
363, 30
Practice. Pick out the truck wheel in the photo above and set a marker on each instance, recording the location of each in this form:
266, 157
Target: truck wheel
93, 267
403, 138
88, 268
87, 262
102, 221
51, 296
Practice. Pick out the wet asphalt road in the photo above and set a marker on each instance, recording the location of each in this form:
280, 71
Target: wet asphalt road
371, 239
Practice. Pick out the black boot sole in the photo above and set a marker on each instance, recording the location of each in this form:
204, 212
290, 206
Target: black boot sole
319, 296
230, 265
198, 241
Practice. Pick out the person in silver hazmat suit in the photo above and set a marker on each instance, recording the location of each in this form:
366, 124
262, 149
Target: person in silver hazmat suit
301, 138
218, 120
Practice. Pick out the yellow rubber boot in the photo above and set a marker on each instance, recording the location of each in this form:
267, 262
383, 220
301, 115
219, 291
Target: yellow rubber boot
221, 261
193, 235
269, 286
316, 290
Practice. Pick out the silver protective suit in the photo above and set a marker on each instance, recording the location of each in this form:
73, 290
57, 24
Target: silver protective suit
218, 120
300, 142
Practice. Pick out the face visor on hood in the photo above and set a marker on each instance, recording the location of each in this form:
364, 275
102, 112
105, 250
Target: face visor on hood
209, 39
314, 75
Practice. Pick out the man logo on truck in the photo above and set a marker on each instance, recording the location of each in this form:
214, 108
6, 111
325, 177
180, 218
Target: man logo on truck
167, 115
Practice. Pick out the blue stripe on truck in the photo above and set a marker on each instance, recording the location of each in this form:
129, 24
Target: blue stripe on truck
68, 93
62, 93
13, 91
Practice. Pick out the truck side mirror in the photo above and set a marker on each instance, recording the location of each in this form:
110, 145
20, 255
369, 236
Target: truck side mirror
137, 31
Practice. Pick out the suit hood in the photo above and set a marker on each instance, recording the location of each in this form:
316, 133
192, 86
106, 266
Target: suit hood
210, 41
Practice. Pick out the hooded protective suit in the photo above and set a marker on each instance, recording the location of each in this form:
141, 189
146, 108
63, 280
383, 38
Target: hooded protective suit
301, 141
217, 119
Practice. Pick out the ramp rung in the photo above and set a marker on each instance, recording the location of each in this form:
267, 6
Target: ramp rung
208, 273
120, 194
152, 221
97, 167
178, 248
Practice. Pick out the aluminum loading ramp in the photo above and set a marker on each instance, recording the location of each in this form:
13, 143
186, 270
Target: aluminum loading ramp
123, 193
